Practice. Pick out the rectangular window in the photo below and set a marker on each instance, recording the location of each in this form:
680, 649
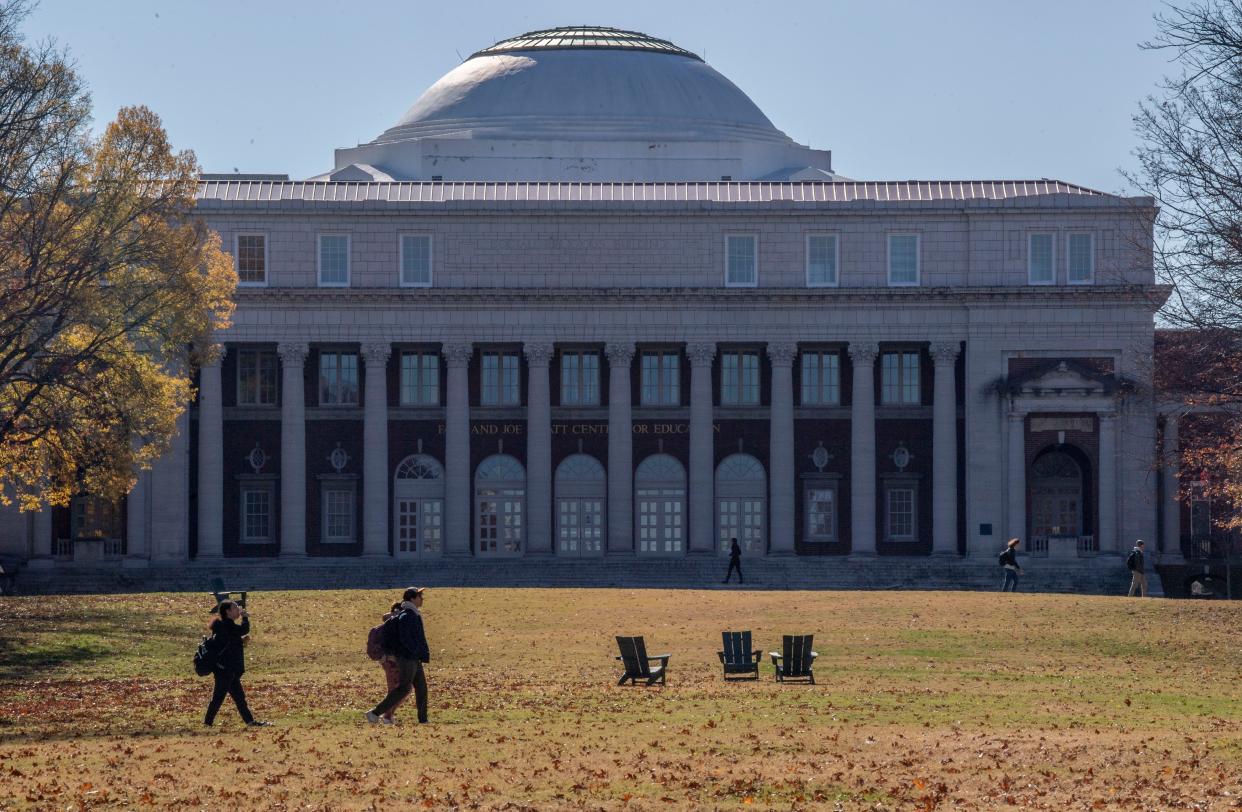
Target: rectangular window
501, 382
256, 514
338, 379
821, 514
257, 373
333, 260
661, 385
1081, 259
741, 268
338, 513
420, 379
415, 260
821, 378
579, 379
251, 255
1040, 270
821, 260
900, 379
900, 513
739, 379
903, 259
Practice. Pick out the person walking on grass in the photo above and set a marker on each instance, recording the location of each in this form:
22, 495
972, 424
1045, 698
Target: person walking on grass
392, 676
231, 662
410, 652
1138, 575
735, 561
1009, 560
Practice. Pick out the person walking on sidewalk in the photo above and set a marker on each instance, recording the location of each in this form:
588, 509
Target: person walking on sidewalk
735, 562
231, 662
411, 652
1009, 560
1138, 575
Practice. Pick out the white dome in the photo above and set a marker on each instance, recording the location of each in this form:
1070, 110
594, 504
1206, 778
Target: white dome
581, 103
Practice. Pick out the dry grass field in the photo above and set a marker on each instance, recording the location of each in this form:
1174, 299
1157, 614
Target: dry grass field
924, 701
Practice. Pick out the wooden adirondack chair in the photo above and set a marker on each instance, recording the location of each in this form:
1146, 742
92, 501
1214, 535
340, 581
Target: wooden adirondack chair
738, 659
638, 664
797, 659
221, 594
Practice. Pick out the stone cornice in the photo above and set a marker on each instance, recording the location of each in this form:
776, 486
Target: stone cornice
1151, 297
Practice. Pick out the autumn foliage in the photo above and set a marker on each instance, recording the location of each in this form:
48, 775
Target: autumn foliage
106, 283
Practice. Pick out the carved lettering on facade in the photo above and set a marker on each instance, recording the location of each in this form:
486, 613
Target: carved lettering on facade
1083, 424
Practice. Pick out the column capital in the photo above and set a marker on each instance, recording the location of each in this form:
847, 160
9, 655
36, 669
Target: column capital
376, 354
619, 353
293, 353
701, 353
458, 355
538, 353
863, 353
944, 353
782, 353
211, 354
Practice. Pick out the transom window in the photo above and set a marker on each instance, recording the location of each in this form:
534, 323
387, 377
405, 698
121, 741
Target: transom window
903, 259
338, 379
900, 513
256, 513
257, 374
579, 379
501, 379
660, 379
1081, 259
1040, 268
741, 267
251, 254
739, 378
900, 378
420, 379
338, 512
821, 378
333, 260
821, 260
415, 260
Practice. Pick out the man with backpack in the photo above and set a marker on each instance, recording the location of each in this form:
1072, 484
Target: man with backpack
1138, 576
406, 642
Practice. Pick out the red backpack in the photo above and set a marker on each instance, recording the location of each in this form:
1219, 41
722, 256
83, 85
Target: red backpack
375, 643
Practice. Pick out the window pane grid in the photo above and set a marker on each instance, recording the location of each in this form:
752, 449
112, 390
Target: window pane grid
333, 259
501, 384
420, 379
741, 260
338, 379
338, 514
903, 259
822, 260
901, 513
900, 384
1041, 270
821, 378
252, 259
1081, 257
415, 259
257, 509
256, 378
739, 378
660, 381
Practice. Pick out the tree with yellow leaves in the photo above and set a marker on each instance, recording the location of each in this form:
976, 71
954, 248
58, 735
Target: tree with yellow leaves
107, 284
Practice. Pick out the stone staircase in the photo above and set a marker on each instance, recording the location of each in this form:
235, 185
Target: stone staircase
1105, 575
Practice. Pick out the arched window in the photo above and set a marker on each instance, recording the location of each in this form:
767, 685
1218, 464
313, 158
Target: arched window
1056, 495
660, 505
499, 506
581, 488
741, 504
418, 506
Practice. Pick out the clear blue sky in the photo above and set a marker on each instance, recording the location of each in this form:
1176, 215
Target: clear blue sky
897, 89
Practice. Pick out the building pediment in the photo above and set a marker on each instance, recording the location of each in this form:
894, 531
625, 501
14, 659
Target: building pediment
1063, 378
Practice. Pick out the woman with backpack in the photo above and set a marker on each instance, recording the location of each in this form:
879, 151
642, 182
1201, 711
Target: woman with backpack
229, 637
1009, 560
388, 662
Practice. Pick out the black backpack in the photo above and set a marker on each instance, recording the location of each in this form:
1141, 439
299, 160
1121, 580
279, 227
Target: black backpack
1004, 557
207, 656
392, 636
1132, 560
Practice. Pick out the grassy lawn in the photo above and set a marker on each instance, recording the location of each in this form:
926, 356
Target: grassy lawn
924, 701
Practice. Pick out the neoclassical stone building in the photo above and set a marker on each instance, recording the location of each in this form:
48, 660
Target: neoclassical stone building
585, 300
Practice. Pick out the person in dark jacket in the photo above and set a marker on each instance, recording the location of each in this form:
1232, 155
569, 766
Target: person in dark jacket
1009, 560
1138, 575
735, 562
231, 662
411, 652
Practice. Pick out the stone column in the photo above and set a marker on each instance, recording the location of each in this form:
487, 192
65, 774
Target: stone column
292, 449
1172, 530
538, 450
1107, 531
702, 453
781, 449
862, 449
375, 451
169, 482
41, 542
620, 449
457, 450
137, 541
944, 449
210, 456
1016, 486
